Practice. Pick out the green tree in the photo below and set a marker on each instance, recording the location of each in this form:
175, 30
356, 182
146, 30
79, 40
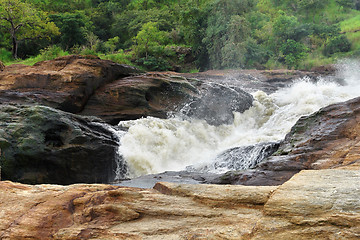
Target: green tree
293, 52
224, 22
22, 21
148, 38
72, 27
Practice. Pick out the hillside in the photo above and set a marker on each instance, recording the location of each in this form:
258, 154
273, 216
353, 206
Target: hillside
183, 35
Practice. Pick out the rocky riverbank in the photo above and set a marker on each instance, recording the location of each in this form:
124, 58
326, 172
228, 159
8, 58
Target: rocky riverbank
307, 189
313, 204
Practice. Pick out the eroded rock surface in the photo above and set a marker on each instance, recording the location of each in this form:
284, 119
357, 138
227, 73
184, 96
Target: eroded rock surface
321, 204
151, 94
64, 83
42, 145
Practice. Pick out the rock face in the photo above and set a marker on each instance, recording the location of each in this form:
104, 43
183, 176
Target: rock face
158, 94
65, 83
43, 145
114, 92
326, 139
151, 94
315, 204
217, 103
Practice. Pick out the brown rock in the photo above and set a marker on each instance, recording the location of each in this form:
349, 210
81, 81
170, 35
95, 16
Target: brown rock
64, 83
151, 94
316, 204
321, 204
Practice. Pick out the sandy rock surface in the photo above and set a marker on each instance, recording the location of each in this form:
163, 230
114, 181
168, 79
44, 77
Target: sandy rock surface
313, 204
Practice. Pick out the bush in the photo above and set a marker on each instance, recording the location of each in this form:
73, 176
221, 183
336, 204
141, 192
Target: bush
119, 57
293, 52
5, 56
337, 44
51, 53
153, 63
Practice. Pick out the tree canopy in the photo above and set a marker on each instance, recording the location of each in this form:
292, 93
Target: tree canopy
184, 34
22, 21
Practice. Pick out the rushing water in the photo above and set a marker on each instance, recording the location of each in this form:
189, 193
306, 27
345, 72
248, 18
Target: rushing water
153, 145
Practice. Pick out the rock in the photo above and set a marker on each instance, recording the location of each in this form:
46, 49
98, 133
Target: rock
160, 94
239, 158
325, 139
65, 83
252, 80
91, 86
314, 204
151, 94
43, 145
317, 204
217, 103
2, 66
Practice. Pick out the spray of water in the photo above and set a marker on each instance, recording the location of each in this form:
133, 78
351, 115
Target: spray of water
154, 145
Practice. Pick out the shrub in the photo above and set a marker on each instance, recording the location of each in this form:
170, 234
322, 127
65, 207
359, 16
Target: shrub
51, 52
337, 44
293, 52
153, 63
5, 56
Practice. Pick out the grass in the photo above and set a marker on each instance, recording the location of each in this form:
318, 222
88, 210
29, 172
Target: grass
350, 26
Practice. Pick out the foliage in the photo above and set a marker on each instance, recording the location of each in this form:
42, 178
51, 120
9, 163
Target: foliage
153, 63
219, 33
293, 52
5, 56
72, 28
148, 40
22, 21
337, 44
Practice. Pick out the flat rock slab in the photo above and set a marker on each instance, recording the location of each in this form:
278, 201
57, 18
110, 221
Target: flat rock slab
319, 194
314, 204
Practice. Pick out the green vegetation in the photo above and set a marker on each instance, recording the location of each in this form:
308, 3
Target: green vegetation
183, 35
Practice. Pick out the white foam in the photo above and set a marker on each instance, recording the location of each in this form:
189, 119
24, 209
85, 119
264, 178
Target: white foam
154, 145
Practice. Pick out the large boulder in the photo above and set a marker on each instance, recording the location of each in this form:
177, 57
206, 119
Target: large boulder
329, 138
64, 83
151, 94
162, 94
43, 145
217, 103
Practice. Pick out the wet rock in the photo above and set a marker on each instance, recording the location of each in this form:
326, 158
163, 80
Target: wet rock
325, 139
240, 158
163, 94
265, 80
43, 145
217, 103
151, 94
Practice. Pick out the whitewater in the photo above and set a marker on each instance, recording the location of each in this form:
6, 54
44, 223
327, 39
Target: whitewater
153, 145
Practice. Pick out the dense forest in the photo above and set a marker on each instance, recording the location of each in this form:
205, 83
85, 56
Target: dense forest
183, 35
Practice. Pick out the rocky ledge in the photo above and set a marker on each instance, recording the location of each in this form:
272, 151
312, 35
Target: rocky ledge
87, 85
313, 204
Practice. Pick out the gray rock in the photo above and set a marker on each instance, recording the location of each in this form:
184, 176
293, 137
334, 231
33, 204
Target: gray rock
43, 145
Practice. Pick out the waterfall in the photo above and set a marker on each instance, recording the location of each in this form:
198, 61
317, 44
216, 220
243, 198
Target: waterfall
152, 145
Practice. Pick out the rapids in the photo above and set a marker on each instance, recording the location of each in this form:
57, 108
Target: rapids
152, 145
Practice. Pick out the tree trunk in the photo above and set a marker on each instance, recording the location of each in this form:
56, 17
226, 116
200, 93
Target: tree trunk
15, 47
